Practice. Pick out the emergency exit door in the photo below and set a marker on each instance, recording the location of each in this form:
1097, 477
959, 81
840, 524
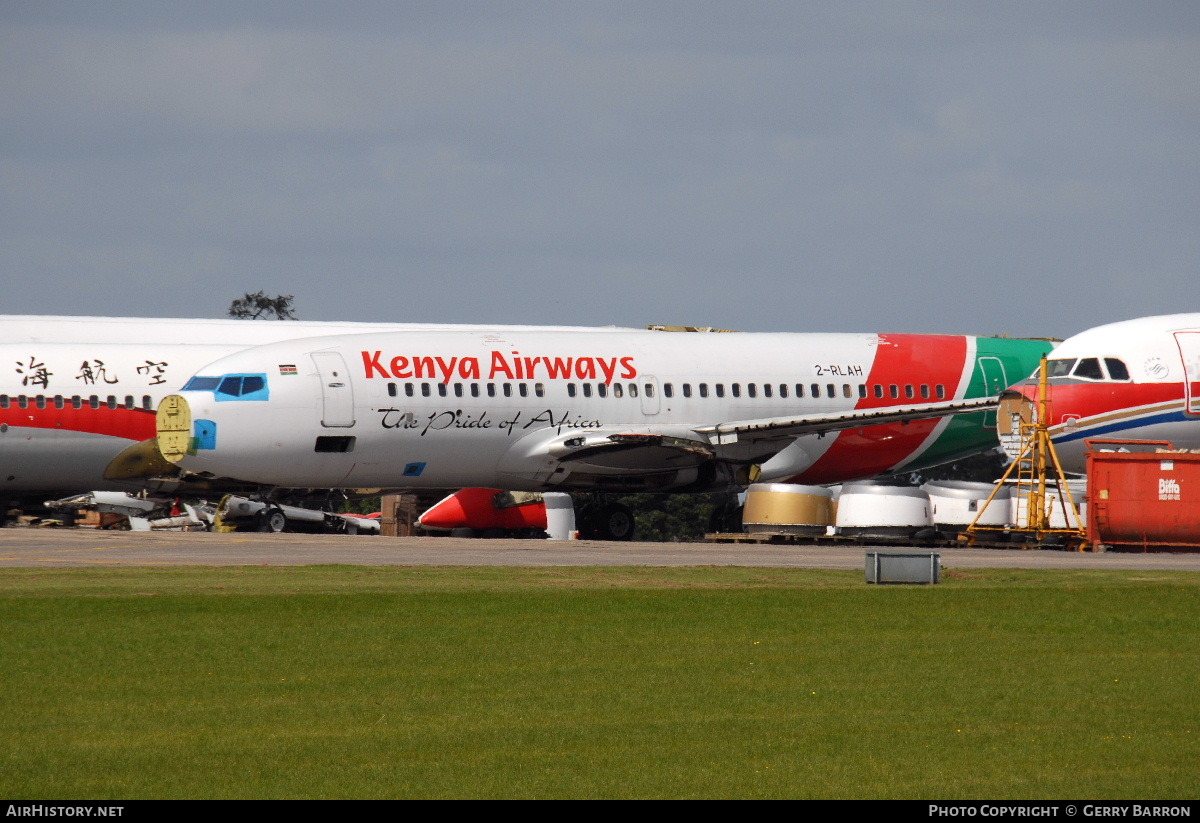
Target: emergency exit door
995, 380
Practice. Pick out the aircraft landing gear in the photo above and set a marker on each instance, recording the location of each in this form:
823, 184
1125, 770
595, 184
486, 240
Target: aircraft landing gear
272, 520
606, 521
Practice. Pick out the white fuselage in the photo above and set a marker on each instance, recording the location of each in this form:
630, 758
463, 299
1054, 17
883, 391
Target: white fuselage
1133, 380
557, 409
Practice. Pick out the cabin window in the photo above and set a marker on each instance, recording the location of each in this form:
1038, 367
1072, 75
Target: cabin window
687, 389
539, 389
111, 402
941, 391
816, 389
909, 392
523, 389
474, 389
751, 390
146, 402
442, 390
924, 391
847, 391
458, 389
507, 389
783, 389
41, 401
799, 389
601, 390
668, 390
94, 402
633, 390
59, 402
894, 391
736, 389
491, 390
425, 392
3, 401
832, 390
862, 391
879, 390
720, 389
76, 402
1116, 368
570, 390
649, 390
704, 390
766, 389
587, 389
23, 402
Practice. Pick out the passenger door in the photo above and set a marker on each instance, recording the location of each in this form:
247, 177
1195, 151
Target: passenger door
337, 392
1189, 350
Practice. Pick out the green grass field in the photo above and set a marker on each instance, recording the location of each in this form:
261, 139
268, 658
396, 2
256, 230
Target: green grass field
355, 682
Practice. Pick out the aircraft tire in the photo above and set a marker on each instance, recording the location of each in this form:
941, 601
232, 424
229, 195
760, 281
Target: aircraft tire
726, 518
272, 520
614, 522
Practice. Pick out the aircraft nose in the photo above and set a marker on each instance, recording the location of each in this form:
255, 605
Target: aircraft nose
449, 513
174, 425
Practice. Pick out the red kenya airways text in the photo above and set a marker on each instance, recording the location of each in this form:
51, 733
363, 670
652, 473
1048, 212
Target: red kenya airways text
514, 366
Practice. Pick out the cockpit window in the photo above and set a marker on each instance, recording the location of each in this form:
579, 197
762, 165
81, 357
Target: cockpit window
1116, 368
1059, 368
1088, 369
240, 385
232, 386
202, 384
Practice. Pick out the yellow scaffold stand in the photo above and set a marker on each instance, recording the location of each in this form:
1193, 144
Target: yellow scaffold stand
1032, 467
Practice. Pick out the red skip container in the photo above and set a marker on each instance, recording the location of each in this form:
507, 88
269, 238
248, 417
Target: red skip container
1143, 495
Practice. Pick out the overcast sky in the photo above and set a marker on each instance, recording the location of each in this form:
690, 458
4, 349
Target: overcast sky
978, 167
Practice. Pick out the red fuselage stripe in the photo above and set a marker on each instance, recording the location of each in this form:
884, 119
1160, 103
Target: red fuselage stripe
901, 360
1086, 400
131, 424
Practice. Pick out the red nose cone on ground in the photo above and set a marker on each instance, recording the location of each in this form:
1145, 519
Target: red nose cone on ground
468, 508
476, 509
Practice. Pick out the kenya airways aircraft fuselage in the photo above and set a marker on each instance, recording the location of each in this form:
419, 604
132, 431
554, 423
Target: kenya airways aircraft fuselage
611, 409
1136, 379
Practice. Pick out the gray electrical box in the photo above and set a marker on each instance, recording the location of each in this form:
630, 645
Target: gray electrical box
903, 566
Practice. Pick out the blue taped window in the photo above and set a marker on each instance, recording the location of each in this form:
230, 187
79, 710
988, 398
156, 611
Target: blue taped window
242, 387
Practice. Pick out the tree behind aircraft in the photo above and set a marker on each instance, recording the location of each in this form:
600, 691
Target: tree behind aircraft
254, 306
